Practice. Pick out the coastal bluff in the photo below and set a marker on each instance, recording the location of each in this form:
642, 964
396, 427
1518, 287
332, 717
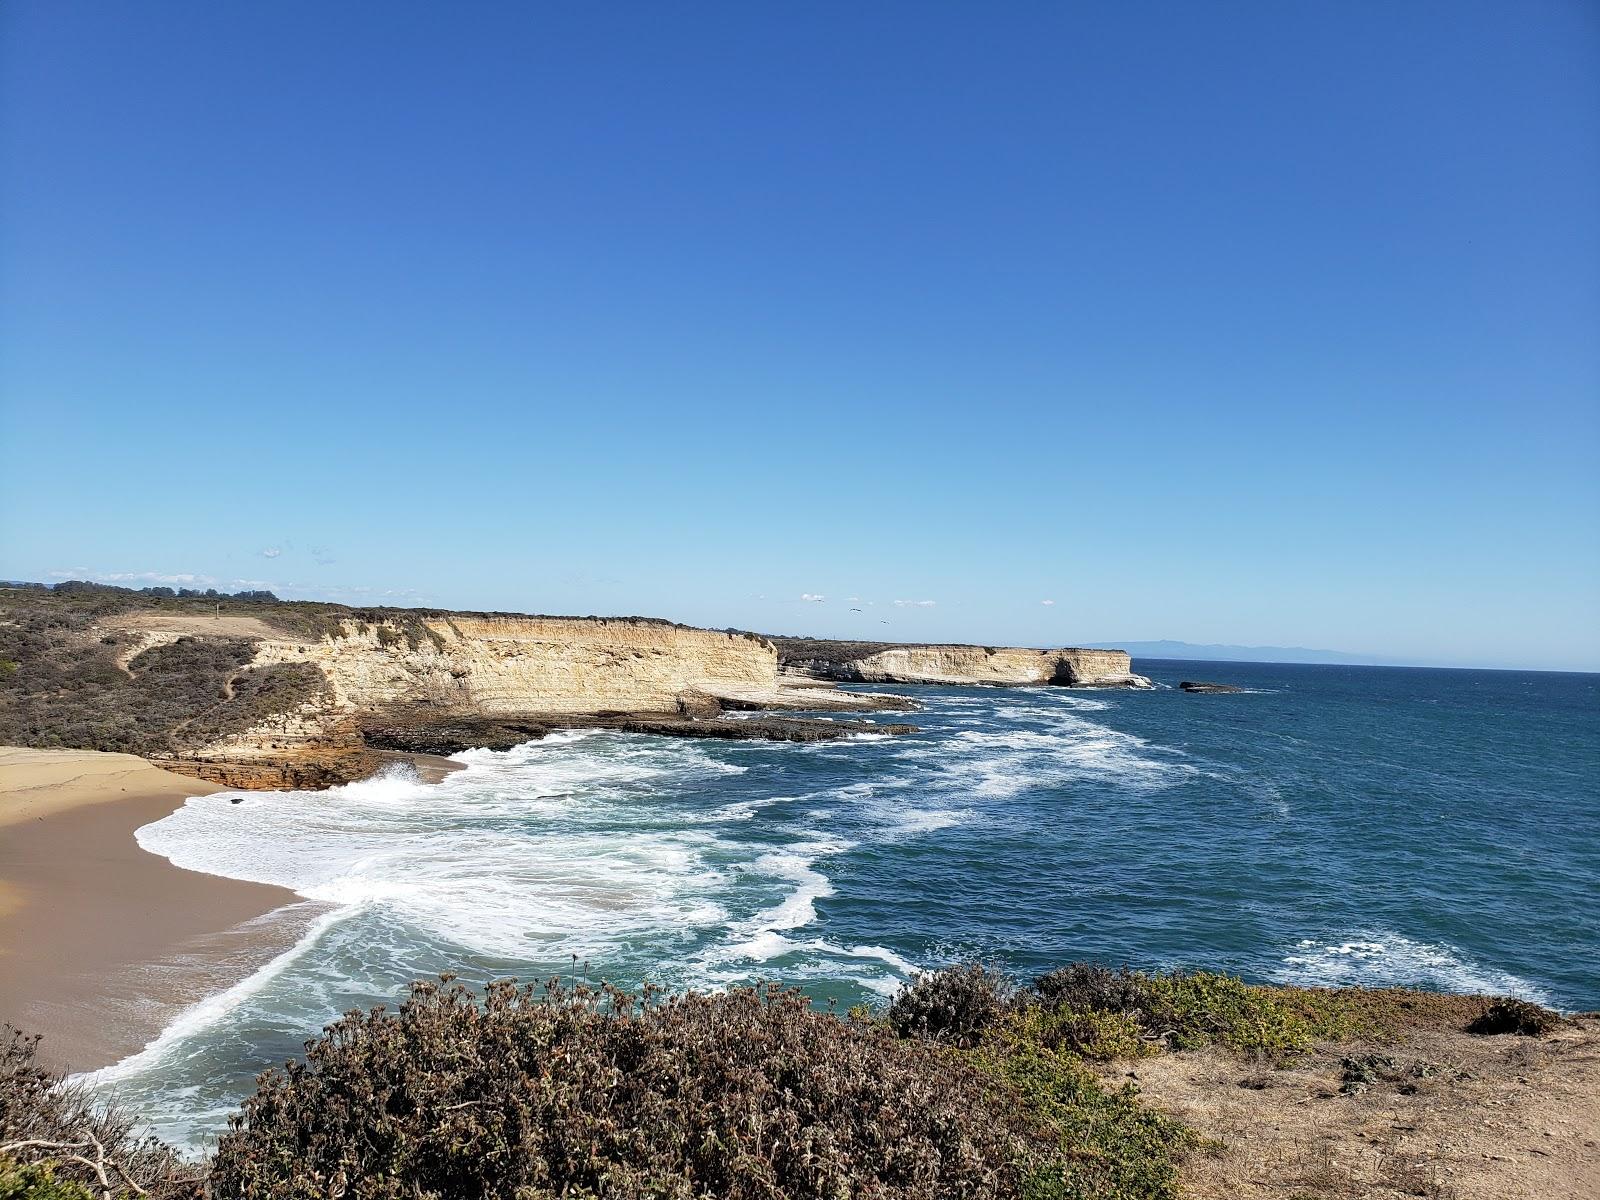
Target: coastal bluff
1000, 666
438, 682
248, 691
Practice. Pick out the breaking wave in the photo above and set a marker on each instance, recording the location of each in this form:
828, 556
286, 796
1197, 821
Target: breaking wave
1029, 826
1377, 958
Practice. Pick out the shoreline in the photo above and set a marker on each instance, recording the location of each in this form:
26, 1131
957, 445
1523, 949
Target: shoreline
103, 944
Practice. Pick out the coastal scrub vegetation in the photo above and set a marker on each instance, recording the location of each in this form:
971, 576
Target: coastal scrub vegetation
965, 1085
578, 1092
72, 688
58, 1143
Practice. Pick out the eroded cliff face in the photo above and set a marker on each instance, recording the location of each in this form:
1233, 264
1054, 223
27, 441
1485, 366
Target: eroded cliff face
405, 681
467, 671
876, 662
518, 665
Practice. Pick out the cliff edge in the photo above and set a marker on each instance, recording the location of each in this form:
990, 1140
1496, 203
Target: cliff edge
1001, 666
252, 692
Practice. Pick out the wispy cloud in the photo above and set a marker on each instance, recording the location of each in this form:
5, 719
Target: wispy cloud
1047, 603
812, 598
915, 603
271, 552
363, 594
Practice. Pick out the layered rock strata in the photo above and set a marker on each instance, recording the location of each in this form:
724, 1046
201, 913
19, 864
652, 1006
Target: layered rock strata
442, 682
1005, 666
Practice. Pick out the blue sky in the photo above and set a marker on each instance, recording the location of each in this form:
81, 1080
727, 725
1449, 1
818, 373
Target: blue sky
1252, 323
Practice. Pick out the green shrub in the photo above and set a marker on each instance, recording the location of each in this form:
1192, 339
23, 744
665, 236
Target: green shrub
1194, 1009
1092, 1034
37, 1181
1089, 986
1183, 1009
1515, 1016
957, 1005
1376, 1014
1110, 1146
539, 1094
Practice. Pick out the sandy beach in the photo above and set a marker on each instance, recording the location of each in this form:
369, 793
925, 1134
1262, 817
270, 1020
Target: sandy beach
101, 943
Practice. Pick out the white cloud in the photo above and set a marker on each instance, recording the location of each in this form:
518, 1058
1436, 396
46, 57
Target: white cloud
915, 603
1047, 603
813, 599
271, 552
853, 599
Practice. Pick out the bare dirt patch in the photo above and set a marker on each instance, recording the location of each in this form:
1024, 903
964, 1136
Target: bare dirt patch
1442, 1114
195, 625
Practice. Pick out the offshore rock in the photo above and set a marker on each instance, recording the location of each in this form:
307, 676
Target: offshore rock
1194, 685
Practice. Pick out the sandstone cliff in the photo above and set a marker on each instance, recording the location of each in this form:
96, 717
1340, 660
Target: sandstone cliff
888, 662
250, 691
397, 680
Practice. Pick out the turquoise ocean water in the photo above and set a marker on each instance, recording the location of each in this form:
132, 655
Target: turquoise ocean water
1336, 825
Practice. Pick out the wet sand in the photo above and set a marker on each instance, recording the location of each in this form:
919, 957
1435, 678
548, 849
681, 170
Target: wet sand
101, 944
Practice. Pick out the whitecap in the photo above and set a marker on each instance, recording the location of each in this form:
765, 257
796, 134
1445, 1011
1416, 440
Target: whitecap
1380, 958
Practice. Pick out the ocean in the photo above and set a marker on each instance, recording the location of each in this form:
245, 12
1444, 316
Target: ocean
1329, 825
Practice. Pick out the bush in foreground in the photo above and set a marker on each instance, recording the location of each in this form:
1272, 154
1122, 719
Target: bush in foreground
956, 1005
575, 1093
37, 1181
966, 1087
55, 1139
1515, 1016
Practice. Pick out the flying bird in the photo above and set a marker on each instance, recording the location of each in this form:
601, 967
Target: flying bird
855, 610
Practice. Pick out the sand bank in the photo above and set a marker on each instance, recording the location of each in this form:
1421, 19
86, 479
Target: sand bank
101, 944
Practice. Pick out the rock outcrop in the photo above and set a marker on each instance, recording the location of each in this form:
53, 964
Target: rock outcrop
1195, 685
398, 680
313, 695
890, 662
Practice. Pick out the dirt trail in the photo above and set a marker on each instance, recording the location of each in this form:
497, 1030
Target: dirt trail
1455, 1117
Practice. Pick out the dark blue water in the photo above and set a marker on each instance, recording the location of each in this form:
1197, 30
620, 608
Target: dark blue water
1335, 824
1330, 825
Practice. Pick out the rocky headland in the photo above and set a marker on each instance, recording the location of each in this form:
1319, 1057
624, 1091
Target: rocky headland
1000, 666
251, 692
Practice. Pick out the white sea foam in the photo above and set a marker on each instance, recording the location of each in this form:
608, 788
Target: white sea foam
197, 1018
1060, 697
766, 937
744, 810
1002, 763
1380, 958
538, 849
798, 863
927, 820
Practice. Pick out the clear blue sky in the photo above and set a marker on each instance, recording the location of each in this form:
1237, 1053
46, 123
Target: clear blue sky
1238, 322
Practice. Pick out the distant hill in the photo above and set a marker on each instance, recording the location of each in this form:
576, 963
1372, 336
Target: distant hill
1223, 653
